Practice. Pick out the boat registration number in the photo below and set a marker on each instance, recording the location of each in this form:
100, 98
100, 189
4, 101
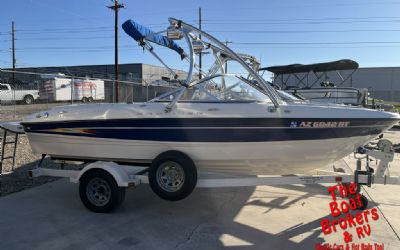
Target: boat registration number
317, 124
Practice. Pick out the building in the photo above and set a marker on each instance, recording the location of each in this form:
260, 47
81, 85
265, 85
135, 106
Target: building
381, 82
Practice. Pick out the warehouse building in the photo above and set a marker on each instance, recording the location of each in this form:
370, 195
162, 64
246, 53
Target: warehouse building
381, 82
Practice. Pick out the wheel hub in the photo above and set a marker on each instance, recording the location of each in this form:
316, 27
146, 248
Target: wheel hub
98, 191
170, 176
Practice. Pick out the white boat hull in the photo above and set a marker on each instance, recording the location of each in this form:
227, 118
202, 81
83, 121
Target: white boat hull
251, 158
243, 138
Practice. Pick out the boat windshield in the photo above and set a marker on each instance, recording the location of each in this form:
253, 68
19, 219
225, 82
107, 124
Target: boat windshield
218, 88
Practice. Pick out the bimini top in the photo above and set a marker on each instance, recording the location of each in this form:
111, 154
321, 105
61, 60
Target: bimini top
139, 32
344, 64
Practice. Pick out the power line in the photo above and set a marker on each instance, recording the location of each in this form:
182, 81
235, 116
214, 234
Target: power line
241, 22
218, 21
63, 32
68, 49
240, 45
317, 47
62, 38
314, 43
67, 29
235, 43
80, 47
304, 19
210, 31
296, 6
214, 31
304, 31
223, 20
77, 29
86, 51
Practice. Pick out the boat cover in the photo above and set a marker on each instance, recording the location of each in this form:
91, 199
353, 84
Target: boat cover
344, 64
138, 32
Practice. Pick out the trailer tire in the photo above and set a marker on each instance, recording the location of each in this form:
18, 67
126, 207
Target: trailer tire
28, 99
84, 99
90, 99
172, 175
99, 191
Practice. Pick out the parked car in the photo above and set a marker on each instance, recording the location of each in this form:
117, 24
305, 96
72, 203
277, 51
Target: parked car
8, 94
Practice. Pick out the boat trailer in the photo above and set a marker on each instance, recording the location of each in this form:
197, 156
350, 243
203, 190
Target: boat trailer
132, 176
124, 176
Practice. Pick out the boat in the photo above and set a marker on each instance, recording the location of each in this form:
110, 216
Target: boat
237, 124
311, 82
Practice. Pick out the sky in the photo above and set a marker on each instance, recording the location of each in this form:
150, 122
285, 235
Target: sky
81, 32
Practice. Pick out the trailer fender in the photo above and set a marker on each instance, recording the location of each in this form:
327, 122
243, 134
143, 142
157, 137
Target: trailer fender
120, 175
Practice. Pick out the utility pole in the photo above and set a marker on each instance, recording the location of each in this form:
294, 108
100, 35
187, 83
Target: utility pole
226, 63
200, 54
13, 51
115, 8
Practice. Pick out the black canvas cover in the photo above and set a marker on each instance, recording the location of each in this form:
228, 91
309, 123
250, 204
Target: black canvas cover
344, 64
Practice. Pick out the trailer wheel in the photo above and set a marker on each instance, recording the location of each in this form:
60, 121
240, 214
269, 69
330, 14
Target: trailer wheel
172, 175
99, 191
84, 99
28, 99
90, 99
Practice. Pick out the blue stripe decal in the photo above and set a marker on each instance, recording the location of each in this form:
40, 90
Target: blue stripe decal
210, 129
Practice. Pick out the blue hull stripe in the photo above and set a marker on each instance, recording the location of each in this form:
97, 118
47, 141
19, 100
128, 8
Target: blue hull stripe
211, 129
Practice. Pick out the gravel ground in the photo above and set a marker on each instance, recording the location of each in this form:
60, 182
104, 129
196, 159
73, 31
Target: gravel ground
25, 160
17, 112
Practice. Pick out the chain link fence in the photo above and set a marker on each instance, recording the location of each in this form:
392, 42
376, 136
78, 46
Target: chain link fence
22, 97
